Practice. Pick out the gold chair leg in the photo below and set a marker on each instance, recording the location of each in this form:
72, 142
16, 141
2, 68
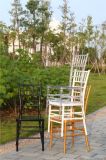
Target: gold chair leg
51, 134
72, 134
87, 143
65, 130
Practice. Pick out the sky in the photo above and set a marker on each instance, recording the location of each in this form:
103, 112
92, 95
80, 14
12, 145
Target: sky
81, 8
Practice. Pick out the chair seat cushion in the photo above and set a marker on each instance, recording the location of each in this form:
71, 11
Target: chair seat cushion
64, 103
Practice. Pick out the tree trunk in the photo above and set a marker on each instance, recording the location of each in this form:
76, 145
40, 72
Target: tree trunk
34, 45
13, 49
41, 50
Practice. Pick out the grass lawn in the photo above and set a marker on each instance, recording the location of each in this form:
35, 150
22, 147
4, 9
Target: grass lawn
8, 130
97, 100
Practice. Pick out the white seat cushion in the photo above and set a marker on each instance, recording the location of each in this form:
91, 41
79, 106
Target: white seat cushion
64, 103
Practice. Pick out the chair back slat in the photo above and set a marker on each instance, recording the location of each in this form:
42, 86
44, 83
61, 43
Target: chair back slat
29, 98
79, 63
80, 79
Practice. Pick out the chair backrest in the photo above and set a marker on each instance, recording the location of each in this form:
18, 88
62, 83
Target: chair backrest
79, 63
29, 98
87, 92
80, 79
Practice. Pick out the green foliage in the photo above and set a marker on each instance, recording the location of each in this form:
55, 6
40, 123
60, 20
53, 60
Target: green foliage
32, 6
26, 68
38, 21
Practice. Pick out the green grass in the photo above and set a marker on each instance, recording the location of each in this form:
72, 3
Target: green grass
97, 100
8, 130
97, 97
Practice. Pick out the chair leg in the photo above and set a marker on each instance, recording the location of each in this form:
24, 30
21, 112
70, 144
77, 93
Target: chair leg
72, 134
87, 143
62, 124
42, 133
17, 134
49, 118
51, 134
49, 124
86, 135
65, 130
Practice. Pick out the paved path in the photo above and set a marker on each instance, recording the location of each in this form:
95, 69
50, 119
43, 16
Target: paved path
96, 124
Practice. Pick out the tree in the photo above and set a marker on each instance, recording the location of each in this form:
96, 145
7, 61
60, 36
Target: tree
81, 34
32, 7
68, 31
89, 32
89, 38
102, 48
63, 26
44, 20
16, 16
102, 40
12, 38
4, 38
38, 23
72, 36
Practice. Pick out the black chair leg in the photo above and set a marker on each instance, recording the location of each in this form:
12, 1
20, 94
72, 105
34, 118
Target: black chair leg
17, 134
42, 134
41, 130
42, 137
